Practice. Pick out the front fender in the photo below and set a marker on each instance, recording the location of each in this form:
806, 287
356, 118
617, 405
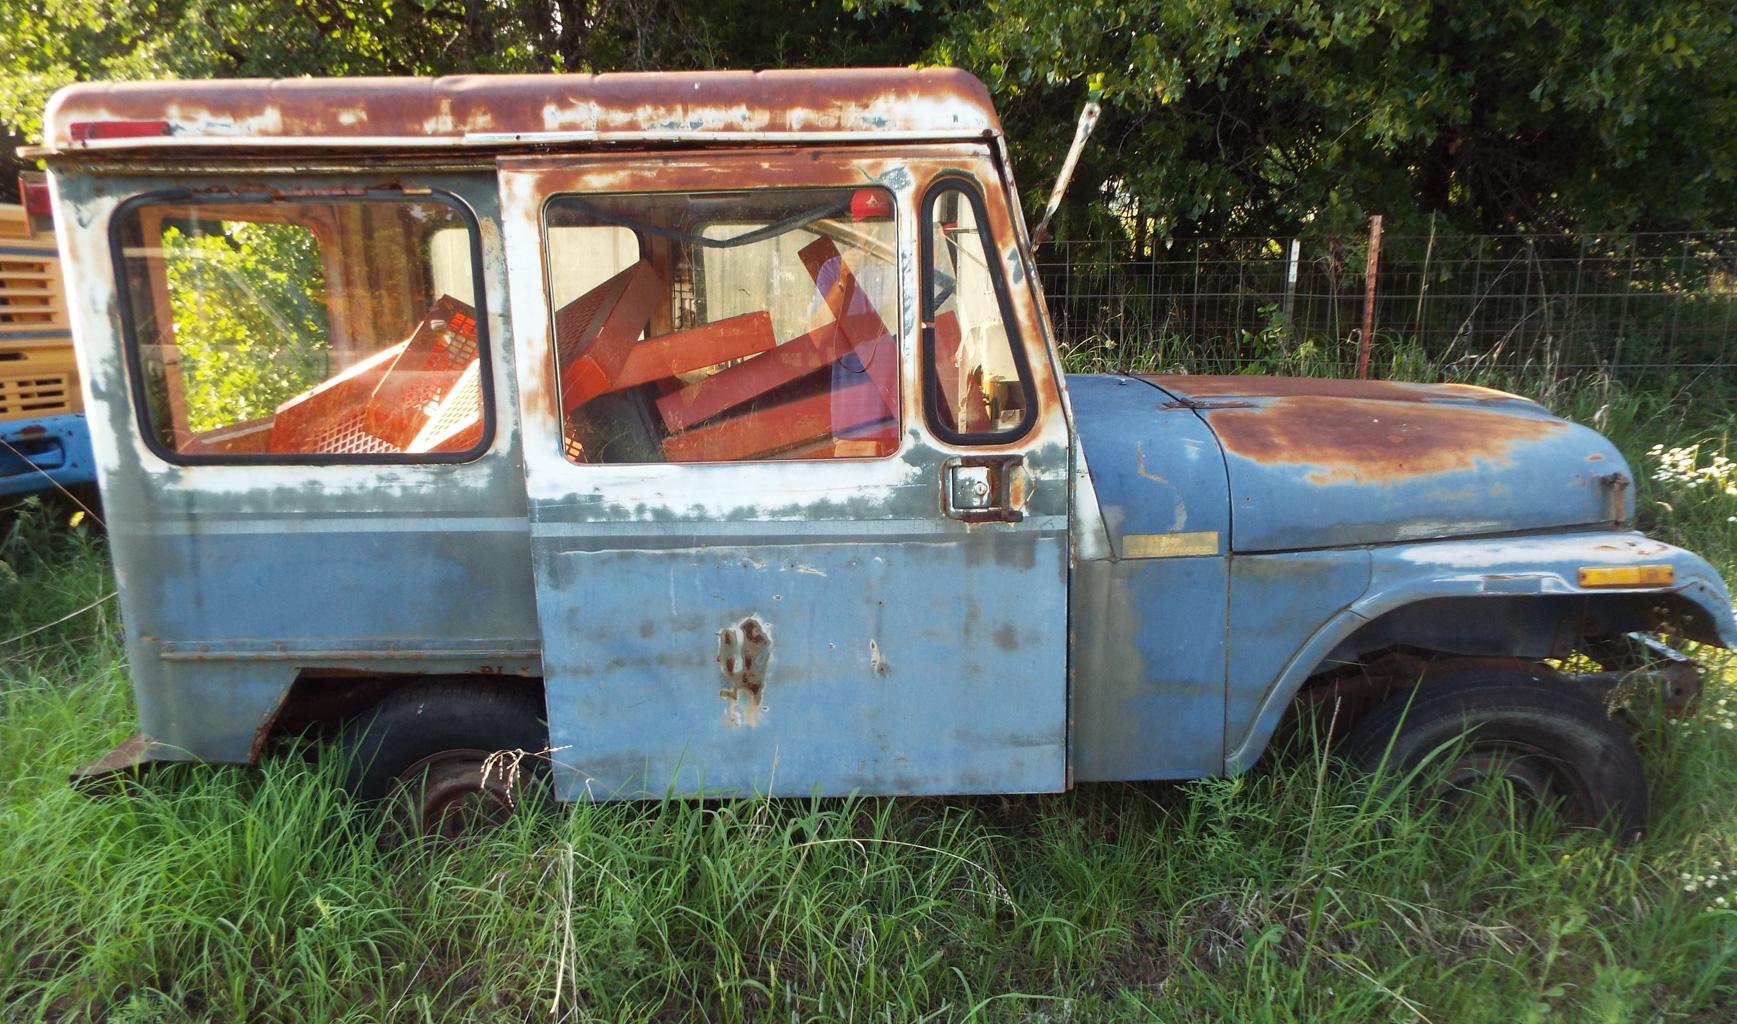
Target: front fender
1511, 567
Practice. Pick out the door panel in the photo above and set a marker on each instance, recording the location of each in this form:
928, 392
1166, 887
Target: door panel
789, 626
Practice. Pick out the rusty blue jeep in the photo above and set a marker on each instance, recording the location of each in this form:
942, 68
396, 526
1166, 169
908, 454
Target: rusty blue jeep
703, 434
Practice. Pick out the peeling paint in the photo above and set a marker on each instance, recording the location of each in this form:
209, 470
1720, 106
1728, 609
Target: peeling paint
744, 658
877, 662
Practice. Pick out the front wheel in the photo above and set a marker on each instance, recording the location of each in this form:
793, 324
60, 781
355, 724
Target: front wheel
1546, 743
445, 757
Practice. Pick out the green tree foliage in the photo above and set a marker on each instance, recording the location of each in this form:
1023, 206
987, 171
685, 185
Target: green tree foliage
250, 318
49, 43
1234, 116
1221, 116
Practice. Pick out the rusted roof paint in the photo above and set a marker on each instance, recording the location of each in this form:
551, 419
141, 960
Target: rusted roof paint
1364, 441
507, 110
1239, 386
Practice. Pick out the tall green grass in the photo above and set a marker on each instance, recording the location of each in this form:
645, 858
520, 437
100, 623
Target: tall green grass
1294, 893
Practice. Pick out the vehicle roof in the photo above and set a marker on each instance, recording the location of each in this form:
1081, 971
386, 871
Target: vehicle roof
505, 111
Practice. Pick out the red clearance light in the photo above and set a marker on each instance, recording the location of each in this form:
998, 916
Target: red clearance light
37, 202
870, 204
90, 131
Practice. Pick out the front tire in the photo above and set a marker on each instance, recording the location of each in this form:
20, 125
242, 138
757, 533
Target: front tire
1548, 743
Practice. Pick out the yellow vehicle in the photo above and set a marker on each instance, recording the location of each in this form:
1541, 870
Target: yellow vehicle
44, 444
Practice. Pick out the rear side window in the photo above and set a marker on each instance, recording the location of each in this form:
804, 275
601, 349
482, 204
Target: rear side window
305, 330
725, 326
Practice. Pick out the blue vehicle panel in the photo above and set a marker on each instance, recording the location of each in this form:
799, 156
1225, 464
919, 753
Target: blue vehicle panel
859, 678
1002, 580
1149, 622
45, 453
1315, 466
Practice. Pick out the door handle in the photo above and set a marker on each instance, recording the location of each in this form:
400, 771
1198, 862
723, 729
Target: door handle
984, 488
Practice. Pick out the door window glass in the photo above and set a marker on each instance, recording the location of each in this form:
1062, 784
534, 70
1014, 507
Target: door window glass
717, 327
284, 330
977, 384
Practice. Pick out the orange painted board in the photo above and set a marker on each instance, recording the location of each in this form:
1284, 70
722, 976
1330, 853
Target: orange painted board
735, 337
330, 415
424, 373
863, 327
777, 427
595, 332
728, 388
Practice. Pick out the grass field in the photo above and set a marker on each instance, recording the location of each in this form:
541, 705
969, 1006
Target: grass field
1290, 894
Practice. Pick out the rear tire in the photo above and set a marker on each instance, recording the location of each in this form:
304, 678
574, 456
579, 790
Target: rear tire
1548, 742
449, 755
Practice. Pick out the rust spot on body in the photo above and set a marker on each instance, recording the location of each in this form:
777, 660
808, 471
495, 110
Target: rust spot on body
1250, 386
866, 100
744, 654
1362, 441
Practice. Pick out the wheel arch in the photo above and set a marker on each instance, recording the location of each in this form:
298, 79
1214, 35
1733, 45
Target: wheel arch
1522, 601
321, 700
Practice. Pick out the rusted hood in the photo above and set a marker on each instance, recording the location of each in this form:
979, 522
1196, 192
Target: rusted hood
1325, 463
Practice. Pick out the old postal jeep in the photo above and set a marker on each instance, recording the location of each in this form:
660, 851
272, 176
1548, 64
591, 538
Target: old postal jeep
706, 432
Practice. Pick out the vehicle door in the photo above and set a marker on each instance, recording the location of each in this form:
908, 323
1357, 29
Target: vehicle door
797, 468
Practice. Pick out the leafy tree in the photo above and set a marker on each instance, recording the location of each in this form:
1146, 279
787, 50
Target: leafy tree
248, 306
1221, 116
1229, 116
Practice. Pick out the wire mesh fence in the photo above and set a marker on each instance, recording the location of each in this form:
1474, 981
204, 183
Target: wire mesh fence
1634, 305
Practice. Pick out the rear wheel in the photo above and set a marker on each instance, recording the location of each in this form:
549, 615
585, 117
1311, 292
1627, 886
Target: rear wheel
1543, 742
450, 756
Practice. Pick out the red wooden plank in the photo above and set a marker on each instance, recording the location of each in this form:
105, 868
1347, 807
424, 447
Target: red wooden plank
863, 327
862, 444
700, 401
796, 422
595, 332
686, 351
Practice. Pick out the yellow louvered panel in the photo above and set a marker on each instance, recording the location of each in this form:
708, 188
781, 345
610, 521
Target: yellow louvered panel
38, 372
32, 298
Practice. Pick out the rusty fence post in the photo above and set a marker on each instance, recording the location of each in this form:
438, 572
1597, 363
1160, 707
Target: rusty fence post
1369, 297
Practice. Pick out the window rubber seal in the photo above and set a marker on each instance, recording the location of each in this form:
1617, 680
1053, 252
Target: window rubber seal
933, 399
135, 368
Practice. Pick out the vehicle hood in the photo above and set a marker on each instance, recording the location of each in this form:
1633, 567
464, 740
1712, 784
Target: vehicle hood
1317, 463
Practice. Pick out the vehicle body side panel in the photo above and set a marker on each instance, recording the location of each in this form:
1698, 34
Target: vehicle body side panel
1158, 472
1149, 646
234, 578
1149, 617
1278, 602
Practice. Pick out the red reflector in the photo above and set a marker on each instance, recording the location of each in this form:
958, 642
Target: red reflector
36, 199
870, 204
88, 131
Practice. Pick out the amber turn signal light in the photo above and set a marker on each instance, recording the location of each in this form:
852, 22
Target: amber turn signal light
1627, 575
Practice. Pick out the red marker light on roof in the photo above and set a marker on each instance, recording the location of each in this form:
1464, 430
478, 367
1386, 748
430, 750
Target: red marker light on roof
91, 131
870, 204
37, 202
